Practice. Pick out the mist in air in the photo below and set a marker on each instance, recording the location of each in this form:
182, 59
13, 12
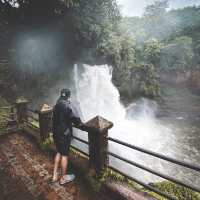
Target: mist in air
95, 94
132, 8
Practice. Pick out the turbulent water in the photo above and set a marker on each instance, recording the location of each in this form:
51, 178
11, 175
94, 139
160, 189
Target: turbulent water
136, 124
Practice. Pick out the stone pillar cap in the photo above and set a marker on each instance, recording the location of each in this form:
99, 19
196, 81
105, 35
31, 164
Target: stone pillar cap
99, 123
44, 109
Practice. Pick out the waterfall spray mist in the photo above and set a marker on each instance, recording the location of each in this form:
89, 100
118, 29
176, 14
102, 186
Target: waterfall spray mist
137, 124
97, 95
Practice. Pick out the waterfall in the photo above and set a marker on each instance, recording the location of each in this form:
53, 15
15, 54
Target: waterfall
76, 81
135, 124
96, 93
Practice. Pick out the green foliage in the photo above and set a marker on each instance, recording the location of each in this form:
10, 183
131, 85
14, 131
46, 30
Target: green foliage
154, 19
46, 143
3, 114
93, 19
169, 40
97, 182
178, 54
35, 123
77, 27
3, 102
152, 51
117, 49
145, 81
156, 10
5, 77
114, 175
179, 192
110, 47
92, 31
161, 24
77, 153
94, 181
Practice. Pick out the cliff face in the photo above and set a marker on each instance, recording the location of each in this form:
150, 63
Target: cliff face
190, 78
175, 78
194, 80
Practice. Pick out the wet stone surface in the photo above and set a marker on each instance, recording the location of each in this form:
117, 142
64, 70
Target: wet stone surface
25, 173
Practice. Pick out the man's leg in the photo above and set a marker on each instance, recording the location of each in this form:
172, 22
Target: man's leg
66, 178
64, 164
65, 153
56, 166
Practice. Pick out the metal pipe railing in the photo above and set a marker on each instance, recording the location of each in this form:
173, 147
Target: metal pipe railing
147, 186
7, 107
155, 172
163, 157
31, 124
33, 118
80, 150
80, 140
31, 110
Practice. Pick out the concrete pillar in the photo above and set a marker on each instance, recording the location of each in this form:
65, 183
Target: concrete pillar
22, 111
97, 129
45, 121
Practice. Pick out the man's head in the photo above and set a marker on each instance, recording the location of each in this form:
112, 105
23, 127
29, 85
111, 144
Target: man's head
65, 93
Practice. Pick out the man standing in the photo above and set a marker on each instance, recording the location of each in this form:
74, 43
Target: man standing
64, 116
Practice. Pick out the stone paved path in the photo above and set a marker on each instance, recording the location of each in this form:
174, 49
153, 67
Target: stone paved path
25, 173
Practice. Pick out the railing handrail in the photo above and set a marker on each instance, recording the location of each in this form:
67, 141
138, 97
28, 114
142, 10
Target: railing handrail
32, 110
33, 118
79, 150
155, 172
161, 156
147, 186
7, 107
80, 140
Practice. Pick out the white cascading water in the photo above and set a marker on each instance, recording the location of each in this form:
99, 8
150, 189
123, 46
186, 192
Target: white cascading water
136, 124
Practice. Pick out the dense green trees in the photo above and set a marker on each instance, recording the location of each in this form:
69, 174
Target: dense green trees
48, 36
41, 36
166, 40
170, 39
178, 54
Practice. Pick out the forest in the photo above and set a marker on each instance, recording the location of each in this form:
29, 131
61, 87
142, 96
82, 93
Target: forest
40, 41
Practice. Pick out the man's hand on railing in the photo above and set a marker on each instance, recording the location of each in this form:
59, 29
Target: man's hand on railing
80, 126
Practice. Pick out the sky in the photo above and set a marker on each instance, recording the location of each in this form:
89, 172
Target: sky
136, 7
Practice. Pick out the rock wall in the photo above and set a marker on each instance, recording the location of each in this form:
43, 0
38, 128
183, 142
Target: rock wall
189, 78
175, 78
195, 79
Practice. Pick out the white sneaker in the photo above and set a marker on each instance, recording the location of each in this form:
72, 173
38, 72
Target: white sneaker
67, 178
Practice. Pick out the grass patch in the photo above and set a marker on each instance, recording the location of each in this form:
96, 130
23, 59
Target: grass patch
3, 102
35, 123
77, 153
180, 192
121, 178
44, 145
3, 114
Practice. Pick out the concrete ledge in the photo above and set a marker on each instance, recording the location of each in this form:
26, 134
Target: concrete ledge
121, 191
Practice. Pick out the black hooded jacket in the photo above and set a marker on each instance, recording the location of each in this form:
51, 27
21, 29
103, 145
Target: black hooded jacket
64, 115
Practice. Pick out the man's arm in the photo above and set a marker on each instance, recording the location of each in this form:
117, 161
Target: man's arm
53, 120
75, 116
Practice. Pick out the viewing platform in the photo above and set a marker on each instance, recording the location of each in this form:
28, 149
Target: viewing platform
26, 161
